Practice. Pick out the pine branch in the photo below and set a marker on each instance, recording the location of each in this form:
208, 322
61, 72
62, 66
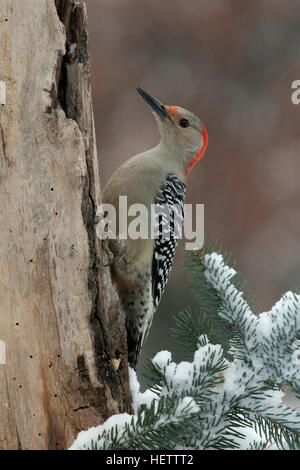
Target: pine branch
157, 427
220, 331
210, 402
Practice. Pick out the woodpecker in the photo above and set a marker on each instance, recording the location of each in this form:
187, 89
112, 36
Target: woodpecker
140, 268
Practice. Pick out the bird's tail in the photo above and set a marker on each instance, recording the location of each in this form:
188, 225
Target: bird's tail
134, 347
137, 304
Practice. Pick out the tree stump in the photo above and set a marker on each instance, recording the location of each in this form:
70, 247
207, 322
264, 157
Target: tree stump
66, 355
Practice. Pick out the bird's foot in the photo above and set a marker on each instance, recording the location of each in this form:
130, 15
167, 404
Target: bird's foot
109, 254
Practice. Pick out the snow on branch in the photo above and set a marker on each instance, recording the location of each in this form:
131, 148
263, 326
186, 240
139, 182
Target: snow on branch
215, 400
161, 422
267, 341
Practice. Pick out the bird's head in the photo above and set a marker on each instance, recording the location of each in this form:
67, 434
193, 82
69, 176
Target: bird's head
181, 132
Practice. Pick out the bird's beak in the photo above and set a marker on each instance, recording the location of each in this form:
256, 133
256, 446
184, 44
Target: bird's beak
154, 104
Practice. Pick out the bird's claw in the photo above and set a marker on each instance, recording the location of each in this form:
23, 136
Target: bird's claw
109, 254
110, 263
98, 218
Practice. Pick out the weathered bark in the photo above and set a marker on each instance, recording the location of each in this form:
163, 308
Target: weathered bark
66, 364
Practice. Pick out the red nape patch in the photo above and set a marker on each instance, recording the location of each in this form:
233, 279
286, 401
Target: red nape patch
172, 110
200, 154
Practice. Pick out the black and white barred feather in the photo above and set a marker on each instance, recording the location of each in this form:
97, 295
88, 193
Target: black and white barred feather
169, 217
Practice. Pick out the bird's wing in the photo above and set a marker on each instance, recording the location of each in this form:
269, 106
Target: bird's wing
169, 210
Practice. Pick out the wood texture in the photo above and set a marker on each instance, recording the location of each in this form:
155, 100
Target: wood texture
66, 364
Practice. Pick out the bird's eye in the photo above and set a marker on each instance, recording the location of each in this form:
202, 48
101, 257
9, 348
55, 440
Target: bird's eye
184, 122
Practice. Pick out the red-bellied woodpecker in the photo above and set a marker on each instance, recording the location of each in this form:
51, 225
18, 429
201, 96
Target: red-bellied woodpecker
140, 268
